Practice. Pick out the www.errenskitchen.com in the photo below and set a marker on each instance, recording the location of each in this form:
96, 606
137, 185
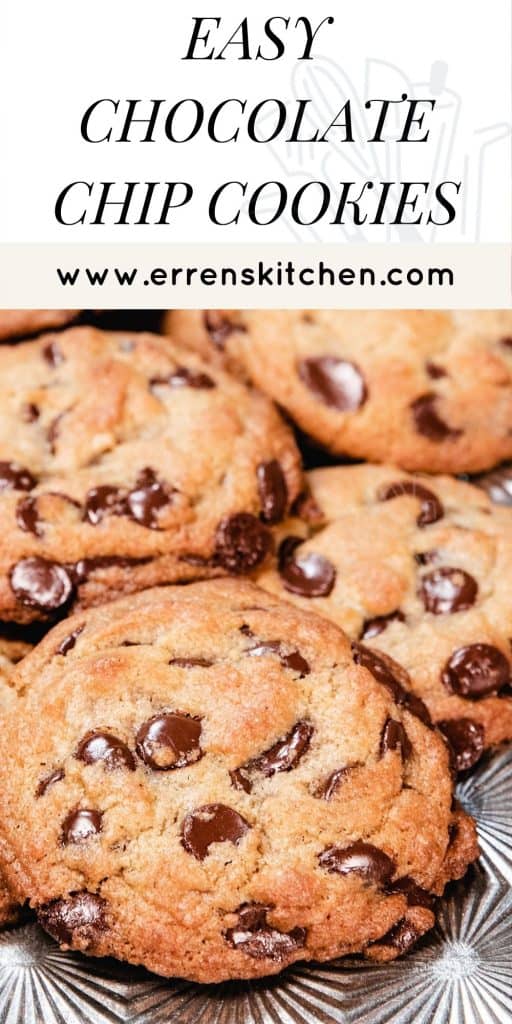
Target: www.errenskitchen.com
258, 275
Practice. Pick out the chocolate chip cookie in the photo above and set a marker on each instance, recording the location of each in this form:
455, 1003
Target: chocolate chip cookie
125, 462
419, 569
15, 323
426, 390
219, 785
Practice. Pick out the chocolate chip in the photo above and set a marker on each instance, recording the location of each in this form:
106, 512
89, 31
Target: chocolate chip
286, 550
103, 747
104, 501
14, 477
27, 516
183, 377
80, 825
476, 671
213, 823
69, 641
498, 485
416, 897
241, 543
147, 499
435, 371
330, 786
336, 382
80, 917
446, 590
49, 780
169, 740
29, 412
431, 509
255, 937
428, 421
272, 490
39, 583
426, 557
394, 677
374, 627
309, 575
293, 660
401, 937
466, 739
394, 737
191, 662
218, 326
372, 864
308, 509
280, 757
53, 354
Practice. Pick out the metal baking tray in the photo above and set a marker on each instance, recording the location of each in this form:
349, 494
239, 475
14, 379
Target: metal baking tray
460, 974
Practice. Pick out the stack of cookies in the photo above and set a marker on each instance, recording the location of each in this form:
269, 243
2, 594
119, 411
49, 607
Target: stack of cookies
235, 694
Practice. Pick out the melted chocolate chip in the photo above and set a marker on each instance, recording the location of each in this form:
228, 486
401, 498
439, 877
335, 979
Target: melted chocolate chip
80, 825
498, 485
394, 677
335, 382
401, 937
241, 543
309, 575
27, 516
280, 757
39, 583
286, 550
69, 641
53, 354
183, 377
272, 490
372, 864
105, 748
86, 567
255, 937
218, 326
213, 823
169, 741
29, 412
445, 591
466, 739
394, 737
435, 371
147, 499
49, 780
416, 897
14, 477
476, 671
293, 660
81, 916
104, 501
330, 786
428, 422
374, 627
191, 662
431, 509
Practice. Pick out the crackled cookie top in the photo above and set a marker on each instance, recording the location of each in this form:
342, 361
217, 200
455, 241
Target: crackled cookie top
124, 462
17, 322
419, 568
423, 389
219, 786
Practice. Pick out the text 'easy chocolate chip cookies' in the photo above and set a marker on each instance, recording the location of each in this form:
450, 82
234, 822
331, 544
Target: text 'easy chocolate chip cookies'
125, 462
426, 390
418, 569
219, 786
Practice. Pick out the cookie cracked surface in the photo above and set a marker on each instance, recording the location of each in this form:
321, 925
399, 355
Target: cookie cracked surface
15, 323
125, 462
219, 786
426, 390
417, 568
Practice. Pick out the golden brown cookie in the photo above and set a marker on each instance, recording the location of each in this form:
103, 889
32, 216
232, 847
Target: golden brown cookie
125, 462
418, 568
18, 322
219, 786
425, 390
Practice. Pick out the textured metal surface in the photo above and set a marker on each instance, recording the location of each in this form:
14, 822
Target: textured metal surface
460, 974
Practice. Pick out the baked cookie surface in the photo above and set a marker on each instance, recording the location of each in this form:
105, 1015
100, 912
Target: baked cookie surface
425, 390
15, 323
219, 787
419, 568
125, 462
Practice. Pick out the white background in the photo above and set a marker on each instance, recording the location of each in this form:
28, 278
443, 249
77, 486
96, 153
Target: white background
58, 56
